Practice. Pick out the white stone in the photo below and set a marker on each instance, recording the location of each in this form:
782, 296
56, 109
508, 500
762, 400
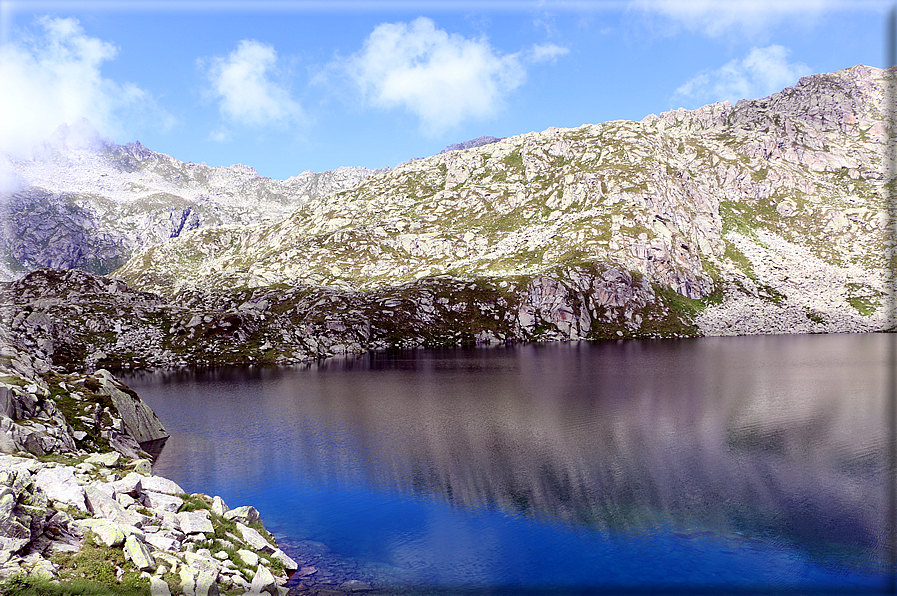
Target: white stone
139, 554
254, 539
159, 587
218, 506
263, 581
164, 541
162, 502
248, 557
129, 485
159, 484
60, 484
245, 515
289, 564
195, 521
108, 460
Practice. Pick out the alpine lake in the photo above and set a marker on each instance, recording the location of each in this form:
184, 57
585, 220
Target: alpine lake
741, 465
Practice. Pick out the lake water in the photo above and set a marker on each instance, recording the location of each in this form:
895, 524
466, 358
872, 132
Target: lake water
712, 465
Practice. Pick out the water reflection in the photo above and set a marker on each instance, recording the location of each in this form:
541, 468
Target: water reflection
774, 438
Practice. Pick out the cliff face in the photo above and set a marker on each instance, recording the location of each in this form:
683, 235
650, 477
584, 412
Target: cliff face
89, 204
766, 216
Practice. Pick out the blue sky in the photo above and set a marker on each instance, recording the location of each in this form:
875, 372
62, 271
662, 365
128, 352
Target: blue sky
291, 86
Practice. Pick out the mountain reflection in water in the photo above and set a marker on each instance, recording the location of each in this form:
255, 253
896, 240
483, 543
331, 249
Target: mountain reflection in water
776, 439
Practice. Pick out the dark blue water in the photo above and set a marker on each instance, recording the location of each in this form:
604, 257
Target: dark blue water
713, 465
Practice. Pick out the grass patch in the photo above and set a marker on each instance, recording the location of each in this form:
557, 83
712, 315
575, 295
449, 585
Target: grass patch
863, 298
815, 316
193, 503
93, 571
24, 585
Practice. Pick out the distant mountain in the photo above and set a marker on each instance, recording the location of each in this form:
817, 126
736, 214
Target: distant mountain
477, 142
82, 202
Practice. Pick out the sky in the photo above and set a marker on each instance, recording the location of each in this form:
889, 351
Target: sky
288, 86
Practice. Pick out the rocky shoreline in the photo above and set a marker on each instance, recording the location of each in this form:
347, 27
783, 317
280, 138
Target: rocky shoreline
79, 501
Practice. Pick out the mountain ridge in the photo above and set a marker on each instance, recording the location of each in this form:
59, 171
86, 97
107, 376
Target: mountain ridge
769, 216
684, 198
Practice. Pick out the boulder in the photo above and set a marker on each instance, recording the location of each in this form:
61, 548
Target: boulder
192, 522
218, 506
205, 585
254, 539
161, 485
244, 515
159, 587
263, 581
61, 485
164, 541
288, 563
129, 485
106, 531
139, 554
248, 557
15, 529
143, 467
102, 505
112, 459
139, 420
161, 502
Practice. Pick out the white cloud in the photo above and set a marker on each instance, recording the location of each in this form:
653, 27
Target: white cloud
717, 17
762, 72
247, 92
55, 78
442, 78
547, 52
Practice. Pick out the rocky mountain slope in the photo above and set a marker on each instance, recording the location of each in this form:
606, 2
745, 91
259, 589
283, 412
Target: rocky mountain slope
83, 202
767, 216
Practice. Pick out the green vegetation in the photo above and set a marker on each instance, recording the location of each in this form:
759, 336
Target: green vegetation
815, 316
93, 571
513, 159
25, 585
863, 298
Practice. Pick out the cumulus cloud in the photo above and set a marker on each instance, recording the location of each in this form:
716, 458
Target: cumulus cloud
715, 17
54, 78
246, 85
442, 78
762, 72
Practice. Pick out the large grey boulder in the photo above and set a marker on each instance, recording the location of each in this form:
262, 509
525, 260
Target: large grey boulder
254, 539
158, 484
195, 522
15, 530
263, 581
16, 403
61, 485
246, 514
139, 420
106, 531
139, 554
159, 587
103, 505
288, 563
162, 502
